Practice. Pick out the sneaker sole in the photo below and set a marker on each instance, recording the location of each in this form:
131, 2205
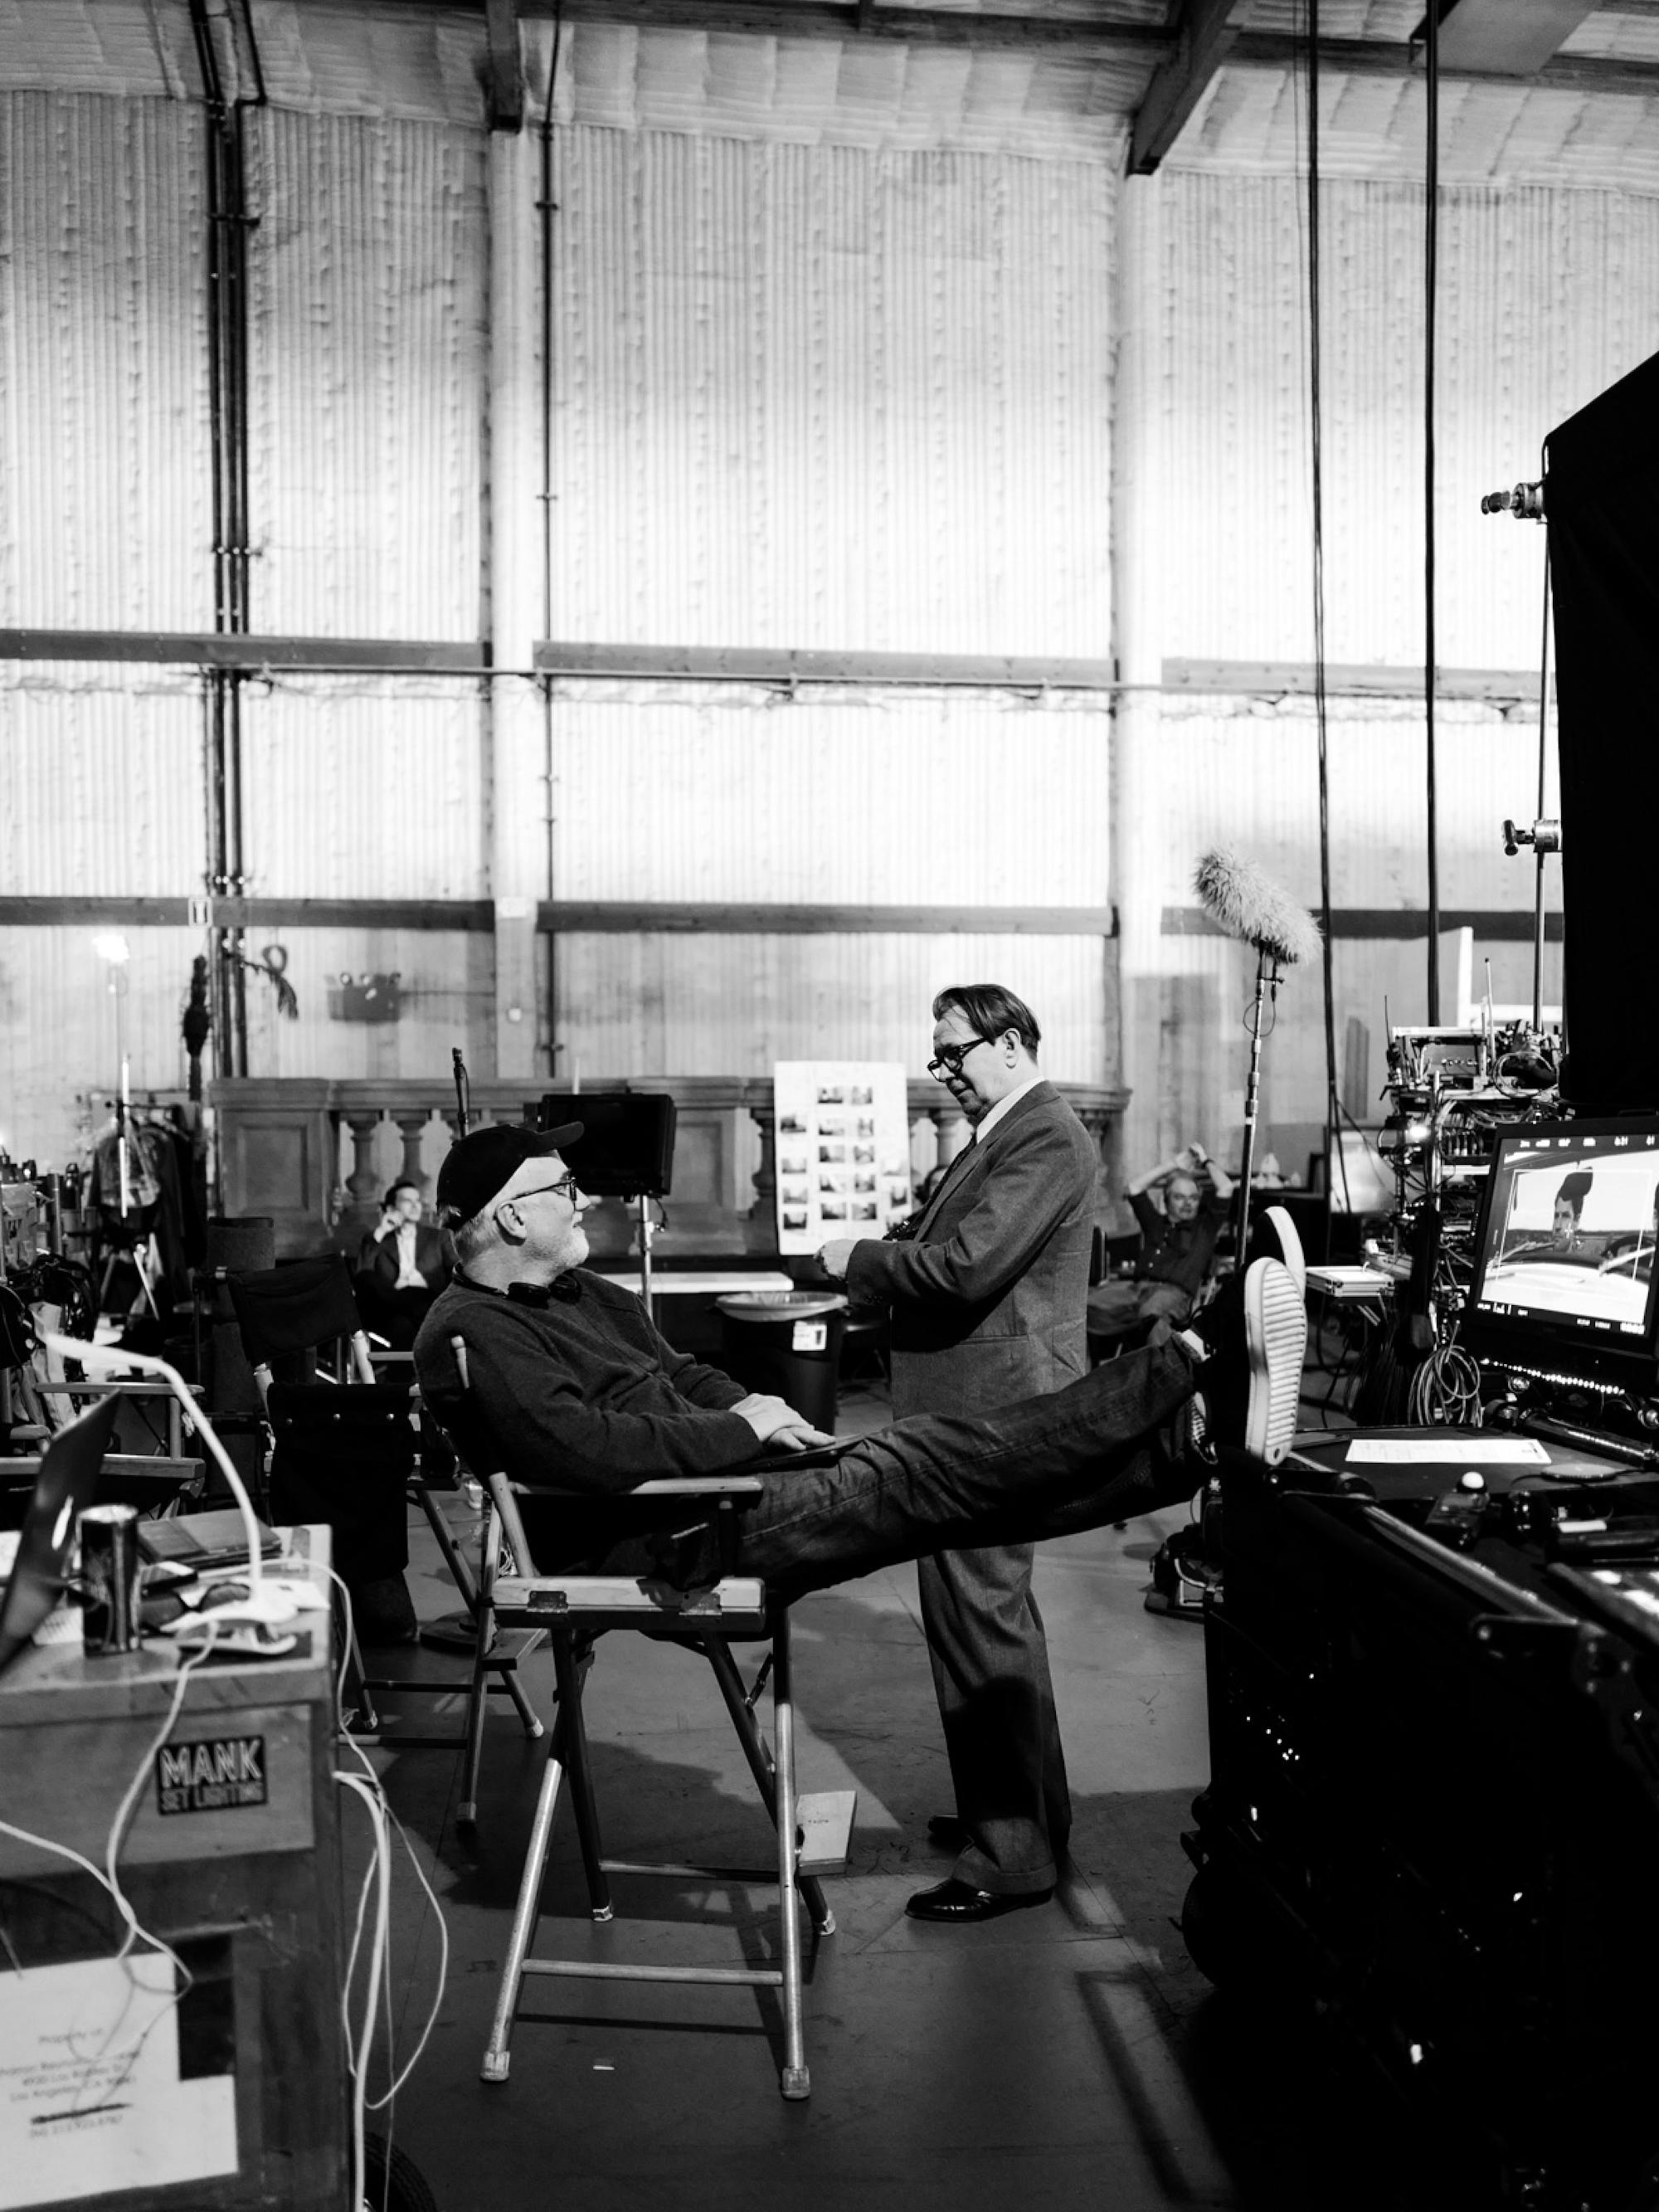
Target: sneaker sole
1289, 1246
1276, 1336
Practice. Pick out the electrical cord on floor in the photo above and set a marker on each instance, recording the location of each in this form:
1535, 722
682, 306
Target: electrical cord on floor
108, 1876
1445, 1391
368, 1788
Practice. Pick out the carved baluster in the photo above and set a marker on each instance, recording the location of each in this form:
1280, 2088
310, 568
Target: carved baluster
411, 1127
951, 1132
363, 1183
760, 1222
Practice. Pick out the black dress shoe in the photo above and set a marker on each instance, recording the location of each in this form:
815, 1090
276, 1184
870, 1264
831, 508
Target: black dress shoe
955, 1903
948, 1829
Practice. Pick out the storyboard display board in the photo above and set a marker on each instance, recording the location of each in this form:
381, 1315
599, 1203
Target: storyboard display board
842, 1130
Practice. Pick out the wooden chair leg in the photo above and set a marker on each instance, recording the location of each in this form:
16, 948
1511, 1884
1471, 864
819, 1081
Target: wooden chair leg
498, 2057
569, 1672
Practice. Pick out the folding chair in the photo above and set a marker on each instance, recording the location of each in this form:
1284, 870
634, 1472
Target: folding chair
347, 1455
812, 1832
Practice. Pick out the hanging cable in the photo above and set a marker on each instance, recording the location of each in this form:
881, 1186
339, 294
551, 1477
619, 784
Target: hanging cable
1431, 258
1543, 778
1335, 1158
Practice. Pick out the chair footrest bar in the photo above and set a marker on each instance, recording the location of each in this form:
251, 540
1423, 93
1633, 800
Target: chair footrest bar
577, 1970
382, 1738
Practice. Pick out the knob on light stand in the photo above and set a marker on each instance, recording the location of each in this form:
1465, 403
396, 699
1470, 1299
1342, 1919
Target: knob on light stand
1525, 502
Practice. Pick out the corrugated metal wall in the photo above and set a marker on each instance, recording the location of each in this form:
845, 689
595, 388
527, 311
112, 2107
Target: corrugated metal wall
1545, 298
368, 346
828, 396
807, 394
105, 490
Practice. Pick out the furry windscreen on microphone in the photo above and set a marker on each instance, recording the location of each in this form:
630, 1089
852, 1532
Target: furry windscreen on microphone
1250, 905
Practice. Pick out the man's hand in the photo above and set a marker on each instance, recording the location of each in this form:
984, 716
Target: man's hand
767, 1417
834, 1256
798, 1437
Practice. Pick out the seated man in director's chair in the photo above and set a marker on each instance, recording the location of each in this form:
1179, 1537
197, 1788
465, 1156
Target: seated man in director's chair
556, 1383
1172, 1268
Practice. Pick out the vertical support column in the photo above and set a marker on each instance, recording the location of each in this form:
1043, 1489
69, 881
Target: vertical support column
951, 1132
411, 1127
761, 1227
520, 795
1139, 856
363, 1183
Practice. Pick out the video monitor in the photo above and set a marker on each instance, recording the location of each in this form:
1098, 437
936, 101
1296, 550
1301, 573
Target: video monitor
1564, 1276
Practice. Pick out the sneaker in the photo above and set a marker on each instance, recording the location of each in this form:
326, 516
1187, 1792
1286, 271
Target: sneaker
1276, 1340
1274, 1237
1256, 1332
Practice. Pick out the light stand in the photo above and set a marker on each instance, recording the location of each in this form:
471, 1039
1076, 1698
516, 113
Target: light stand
1267, 980
114, 950
1249, 904
647, 1231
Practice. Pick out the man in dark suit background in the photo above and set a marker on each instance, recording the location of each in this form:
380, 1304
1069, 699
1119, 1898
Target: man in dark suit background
400, 1268
987, 1297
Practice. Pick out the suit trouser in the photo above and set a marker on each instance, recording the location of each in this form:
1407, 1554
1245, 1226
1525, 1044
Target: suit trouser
996, 1700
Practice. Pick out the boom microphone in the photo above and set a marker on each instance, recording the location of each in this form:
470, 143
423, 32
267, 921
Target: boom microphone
1249, 904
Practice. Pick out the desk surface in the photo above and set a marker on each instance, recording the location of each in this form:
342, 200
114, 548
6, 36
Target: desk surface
48, 1683
232, 1842
15, 1473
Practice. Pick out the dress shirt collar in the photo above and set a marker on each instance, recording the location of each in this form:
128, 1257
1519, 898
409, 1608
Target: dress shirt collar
983, 1127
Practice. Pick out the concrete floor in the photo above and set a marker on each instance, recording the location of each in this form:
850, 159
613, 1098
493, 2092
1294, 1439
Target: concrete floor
1070, 2054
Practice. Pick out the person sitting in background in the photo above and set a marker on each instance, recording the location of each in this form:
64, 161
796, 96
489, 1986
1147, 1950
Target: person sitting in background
1177, 1243
400, 1268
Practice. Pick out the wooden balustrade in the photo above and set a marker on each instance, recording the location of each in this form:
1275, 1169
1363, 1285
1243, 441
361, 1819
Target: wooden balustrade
284, 1143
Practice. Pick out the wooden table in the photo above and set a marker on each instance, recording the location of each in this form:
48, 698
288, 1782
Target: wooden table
232, 1855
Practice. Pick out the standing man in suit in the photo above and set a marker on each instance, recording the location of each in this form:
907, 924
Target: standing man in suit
985, 1290
400, 1268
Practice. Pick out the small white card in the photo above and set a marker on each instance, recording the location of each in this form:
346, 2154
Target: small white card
1474, 1450
91, 2100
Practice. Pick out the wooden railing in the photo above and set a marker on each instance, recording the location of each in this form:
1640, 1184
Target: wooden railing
312, 1154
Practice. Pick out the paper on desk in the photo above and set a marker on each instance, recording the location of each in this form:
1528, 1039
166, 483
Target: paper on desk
1472, 1450
90, 2095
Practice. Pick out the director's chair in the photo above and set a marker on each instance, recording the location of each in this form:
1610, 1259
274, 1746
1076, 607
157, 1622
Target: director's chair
346, 1455
574, 1610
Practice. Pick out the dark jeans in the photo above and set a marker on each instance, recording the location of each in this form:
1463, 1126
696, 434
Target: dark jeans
1106, 1447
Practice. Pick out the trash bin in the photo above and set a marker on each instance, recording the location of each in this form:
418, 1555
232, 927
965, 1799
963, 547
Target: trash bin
786, 1343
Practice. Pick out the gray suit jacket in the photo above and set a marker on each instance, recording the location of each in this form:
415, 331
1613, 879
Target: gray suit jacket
987, 1298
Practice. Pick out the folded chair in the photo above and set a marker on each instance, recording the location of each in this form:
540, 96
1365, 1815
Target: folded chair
346, 1455
574, 1609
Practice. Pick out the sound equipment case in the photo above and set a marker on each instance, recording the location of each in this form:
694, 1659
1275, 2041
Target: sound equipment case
1434, 1811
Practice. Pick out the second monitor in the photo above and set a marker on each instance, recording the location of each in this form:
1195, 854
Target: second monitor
626, 1149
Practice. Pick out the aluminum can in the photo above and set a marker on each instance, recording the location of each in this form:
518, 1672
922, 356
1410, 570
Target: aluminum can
109, 1578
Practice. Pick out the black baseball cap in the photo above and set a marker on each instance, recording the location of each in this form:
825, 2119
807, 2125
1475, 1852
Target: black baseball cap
482, 1163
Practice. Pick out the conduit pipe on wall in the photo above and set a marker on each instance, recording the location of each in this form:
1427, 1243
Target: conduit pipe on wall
547, 207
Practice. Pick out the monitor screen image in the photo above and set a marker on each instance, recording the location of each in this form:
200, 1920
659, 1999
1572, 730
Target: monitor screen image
1572, 1228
